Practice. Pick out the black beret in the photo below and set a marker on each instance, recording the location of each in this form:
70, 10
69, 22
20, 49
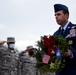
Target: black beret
58, 7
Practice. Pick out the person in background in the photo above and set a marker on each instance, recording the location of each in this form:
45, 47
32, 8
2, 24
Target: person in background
2, 45
9, 60
62, 16
28, 62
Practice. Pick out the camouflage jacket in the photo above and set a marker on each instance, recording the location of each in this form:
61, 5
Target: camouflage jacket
9, 62
28, 65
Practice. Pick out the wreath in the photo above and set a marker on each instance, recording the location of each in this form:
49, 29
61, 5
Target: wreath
50, 53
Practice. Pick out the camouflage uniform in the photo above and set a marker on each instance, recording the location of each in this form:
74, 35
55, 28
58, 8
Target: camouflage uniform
9, 61
28, 65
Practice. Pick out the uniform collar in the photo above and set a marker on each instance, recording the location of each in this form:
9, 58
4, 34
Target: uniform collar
65, 26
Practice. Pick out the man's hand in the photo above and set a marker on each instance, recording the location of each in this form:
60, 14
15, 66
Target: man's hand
68, 53
2, 42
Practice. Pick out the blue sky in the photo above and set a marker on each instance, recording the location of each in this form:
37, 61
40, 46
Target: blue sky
27, 20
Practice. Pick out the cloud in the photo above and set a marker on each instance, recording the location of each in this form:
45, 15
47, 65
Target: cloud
21, 45
2, 27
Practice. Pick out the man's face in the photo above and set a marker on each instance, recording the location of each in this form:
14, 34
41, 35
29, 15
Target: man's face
60, 17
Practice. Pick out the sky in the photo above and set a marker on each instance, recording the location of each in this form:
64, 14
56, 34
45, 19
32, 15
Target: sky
28, 20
